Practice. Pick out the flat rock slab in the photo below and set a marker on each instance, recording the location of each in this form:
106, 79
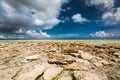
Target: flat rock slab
31, 58
85, 55
99, 62
76, 66
90, 75
9, 73
66, 78
52, 73
32, 75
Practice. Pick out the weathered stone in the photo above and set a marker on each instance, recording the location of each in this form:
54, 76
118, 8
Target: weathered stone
74, 54
117, 54
98, 62
52, 73
85, 55
31, 58
33, 74
65, 75
85, 62
76, 66
69, 50
90, 75
9, 73
60, 59
66, 78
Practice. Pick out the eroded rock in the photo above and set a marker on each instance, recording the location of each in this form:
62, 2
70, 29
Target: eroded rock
52, 73
90, 75
76, 66
9, 74
85, 55
64, 60
33, 74
30, 58
60, 59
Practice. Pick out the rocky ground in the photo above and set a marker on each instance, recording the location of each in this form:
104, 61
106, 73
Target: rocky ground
59, 61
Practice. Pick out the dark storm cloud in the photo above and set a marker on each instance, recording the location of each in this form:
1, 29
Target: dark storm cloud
18, 14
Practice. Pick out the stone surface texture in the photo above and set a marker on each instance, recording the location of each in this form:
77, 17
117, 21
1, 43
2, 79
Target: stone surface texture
59, 60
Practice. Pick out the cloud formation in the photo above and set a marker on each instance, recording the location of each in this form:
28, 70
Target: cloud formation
34, 34
111, 14
78, 18
102, 34
2, 37
28, 14
104, 4
112, 17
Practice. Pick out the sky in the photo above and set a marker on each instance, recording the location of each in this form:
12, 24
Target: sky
59, 19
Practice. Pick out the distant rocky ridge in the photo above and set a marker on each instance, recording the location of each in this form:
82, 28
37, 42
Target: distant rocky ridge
59, 61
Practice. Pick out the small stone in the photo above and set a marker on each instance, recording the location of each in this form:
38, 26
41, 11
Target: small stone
30, 58
74, 54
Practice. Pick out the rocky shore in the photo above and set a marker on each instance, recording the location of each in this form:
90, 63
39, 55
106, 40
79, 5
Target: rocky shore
59, 61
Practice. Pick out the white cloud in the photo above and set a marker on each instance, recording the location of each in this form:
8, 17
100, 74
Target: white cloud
2, 37
35, 34
102, 3
102, 34
78, 18
112, 17
27, 14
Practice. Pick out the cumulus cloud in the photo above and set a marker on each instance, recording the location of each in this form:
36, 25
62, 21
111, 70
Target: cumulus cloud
33, 33
78, 18
27, 14
104, 4
112, 17
41, 34
102, 34
111, 14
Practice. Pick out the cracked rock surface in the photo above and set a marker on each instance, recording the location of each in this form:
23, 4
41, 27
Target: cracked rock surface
51, 60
